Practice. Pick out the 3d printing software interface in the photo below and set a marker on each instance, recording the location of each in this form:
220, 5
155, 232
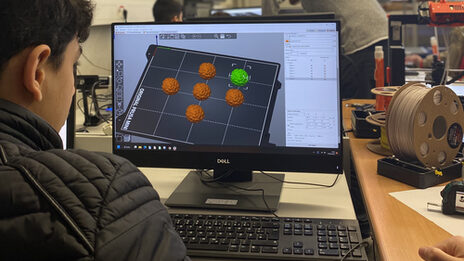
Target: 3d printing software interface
297, 62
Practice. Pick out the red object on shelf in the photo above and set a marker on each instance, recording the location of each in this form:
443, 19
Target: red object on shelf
446, 13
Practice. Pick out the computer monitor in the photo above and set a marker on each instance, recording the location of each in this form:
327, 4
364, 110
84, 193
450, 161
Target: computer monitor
286, 17
67, 132
287, 118
245, 11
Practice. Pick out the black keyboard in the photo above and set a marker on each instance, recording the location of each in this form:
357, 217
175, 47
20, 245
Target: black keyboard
257, 237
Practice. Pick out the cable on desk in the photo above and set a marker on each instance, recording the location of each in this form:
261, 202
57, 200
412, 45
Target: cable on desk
228, 173
363, 243
303, 183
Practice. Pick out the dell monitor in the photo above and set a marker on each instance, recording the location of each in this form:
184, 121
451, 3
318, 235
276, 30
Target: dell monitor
232, 97
285, 17
245, 11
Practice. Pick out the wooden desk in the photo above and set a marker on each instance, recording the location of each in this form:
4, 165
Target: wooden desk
399, 231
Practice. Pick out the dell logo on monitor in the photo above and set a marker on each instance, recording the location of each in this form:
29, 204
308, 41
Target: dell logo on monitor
223, 161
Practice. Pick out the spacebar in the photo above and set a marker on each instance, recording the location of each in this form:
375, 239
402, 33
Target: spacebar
207, 247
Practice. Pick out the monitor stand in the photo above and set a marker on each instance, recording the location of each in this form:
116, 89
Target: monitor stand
192, 192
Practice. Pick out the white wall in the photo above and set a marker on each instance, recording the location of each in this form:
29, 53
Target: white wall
110, 11
97, 49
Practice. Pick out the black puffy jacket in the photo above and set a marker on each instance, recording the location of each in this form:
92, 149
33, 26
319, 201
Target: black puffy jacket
73, 204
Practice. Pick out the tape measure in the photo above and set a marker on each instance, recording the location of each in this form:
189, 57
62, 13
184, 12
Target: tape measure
453, 198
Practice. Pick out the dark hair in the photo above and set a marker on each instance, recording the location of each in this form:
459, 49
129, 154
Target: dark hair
28, 23
165, 10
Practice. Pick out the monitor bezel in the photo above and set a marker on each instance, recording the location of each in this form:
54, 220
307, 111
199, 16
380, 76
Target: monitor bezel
247, 160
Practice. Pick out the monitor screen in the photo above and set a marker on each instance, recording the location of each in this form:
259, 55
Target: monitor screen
246, 11
273, 102
285, 17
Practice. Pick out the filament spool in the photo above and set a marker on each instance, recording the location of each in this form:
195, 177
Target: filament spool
425, 124
380, 146
383, 96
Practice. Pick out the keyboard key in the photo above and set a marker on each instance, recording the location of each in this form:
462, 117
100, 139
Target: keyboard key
345, 253
322, 245
265, 243
233, 248
341, 228
331, 227
308, 232
351, 228
270, 250
329, 252
207, 247
309, 251
287, 250
333, 245
245, 242
344, 246
298, 244
255, 249
353, 237
244, 248
298, 251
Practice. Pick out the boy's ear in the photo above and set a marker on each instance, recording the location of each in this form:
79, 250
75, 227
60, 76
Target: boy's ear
34, 70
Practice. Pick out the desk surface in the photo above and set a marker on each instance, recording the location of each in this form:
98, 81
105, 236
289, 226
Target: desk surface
398, 230
295, 201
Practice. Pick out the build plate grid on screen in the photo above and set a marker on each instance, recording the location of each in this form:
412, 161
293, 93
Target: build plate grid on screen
154, 114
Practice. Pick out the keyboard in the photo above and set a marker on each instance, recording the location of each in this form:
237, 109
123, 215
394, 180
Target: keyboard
259, 237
